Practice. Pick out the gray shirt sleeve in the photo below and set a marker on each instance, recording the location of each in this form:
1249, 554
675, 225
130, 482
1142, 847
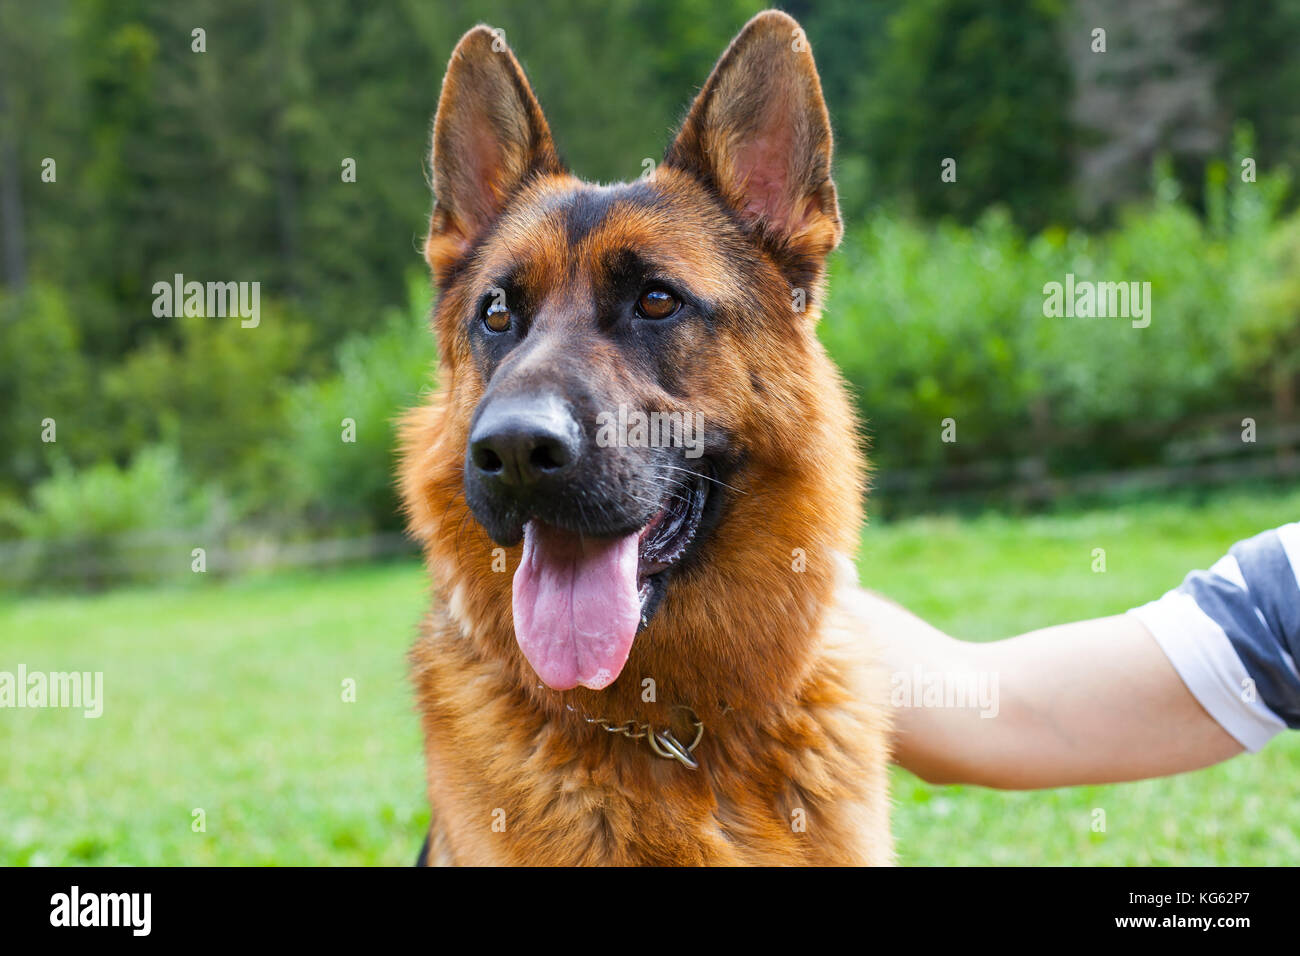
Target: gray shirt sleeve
1233, 634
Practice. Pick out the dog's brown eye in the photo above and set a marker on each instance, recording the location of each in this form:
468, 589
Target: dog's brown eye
657, 304
497, 317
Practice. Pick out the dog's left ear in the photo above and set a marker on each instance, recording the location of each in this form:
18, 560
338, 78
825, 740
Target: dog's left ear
759, 134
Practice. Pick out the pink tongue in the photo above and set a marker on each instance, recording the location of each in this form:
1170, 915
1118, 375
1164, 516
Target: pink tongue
576, 605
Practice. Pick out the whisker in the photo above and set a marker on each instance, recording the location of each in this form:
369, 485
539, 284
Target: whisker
698, 474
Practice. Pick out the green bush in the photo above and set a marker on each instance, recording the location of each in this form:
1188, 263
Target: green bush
104, 523
43, 375
939, 322
217, 398
380, 375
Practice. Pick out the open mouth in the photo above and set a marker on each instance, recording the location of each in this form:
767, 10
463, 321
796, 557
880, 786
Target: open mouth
667, 537
579, 601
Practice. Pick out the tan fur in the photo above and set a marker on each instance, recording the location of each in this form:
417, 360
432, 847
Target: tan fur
793, 761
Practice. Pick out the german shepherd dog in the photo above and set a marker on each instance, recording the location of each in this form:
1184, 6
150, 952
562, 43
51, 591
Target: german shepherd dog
640, 651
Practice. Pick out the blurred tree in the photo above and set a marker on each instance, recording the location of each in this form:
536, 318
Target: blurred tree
228, 165
849, 39
982, 82
1254, 45
1150, 91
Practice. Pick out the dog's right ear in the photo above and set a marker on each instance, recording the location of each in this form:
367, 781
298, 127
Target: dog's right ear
488, 137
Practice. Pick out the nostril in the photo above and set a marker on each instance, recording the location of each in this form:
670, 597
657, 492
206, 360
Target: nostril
486, 460
548, 456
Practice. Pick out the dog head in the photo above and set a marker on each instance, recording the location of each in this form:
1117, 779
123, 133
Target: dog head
633, 398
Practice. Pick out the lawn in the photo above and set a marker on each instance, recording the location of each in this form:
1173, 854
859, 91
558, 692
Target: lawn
228, 697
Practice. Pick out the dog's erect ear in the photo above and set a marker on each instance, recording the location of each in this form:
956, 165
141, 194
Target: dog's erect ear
759, 133
488, 137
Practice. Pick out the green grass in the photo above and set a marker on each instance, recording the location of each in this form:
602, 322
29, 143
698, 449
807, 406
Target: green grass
228, 697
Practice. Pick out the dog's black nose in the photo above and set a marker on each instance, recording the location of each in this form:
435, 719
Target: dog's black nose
520, 441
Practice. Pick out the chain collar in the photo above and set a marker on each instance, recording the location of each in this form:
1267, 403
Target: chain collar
662, 742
